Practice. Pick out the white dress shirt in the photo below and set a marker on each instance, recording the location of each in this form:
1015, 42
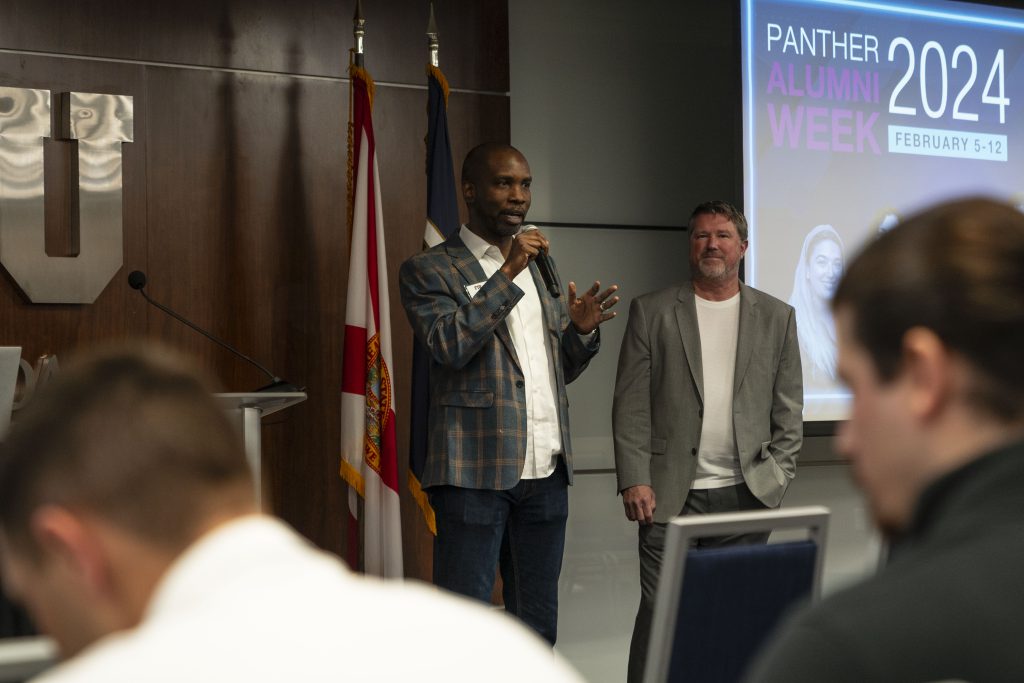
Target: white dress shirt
529, 334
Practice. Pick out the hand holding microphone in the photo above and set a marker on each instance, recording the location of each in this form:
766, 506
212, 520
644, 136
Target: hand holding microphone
531, 245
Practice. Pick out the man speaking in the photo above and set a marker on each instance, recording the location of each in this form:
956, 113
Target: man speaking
502, 348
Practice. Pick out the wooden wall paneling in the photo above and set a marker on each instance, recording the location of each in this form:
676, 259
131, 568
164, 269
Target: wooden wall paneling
105, 28
473, 36
309, 37
257, 35
309, 300
260, 229
234, 194
472, 119
474, 44
193, 198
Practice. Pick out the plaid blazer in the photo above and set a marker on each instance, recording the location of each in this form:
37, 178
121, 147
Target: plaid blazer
476, 433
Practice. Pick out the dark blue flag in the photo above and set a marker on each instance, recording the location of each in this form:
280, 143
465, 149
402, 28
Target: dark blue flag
442, 222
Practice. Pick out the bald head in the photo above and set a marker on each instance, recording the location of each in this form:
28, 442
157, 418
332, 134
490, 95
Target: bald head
478, 160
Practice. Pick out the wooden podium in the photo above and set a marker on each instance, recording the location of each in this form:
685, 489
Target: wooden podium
247, 411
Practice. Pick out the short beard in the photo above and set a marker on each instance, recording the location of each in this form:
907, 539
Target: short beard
713, 273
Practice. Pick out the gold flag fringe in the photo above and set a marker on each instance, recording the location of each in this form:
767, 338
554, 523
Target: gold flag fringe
420, 496
355, 73
436, 73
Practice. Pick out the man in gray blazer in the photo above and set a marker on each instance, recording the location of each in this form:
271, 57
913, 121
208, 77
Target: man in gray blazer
708, 403
502, 349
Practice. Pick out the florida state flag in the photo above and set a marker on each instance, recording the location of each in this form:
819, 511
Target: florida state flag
369, 455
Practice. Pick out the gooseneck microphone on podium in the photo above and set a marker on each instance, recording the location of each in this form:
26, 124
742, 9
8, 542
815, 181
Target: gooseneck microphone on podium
137, 280
547, 273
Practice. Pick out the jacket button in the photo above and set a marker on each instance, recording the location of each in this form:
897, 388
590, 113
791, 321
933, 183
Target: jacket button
520, 383
700, 413
693, 451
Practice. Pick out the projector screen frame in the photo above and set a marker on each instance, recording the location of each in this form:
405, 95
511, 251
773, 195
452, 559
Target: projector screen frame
1001, 19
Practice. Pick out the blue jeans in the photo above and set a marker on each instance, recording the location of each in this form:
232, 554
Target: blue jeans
522, 530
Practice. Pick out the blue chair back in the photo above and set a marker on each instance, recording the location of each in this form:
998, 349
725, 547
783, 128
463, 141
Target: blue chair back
747, 589
708, 627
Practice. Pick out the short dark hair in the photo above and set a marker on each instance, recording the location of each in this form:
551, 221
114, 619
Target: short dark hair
133, 435
720, 208
958, 270
476, 161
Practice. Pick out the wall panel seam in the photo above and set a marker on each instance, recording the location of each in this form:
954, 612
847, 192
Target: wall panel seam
246, 72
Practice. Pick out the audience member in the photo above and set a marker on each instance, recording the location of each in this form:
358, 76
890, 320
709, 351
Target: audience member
931, 327
128, 529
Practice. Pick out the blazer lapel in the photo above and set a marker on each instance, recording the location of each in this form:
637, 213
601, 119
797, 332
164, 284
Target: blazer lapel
471, 272
745, 341
686, 317
464, 261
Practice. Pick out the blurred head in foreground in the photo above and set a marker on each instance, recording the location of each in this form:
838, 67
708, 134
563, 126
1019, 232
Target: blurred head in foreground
930, 319
931, 326
117, 467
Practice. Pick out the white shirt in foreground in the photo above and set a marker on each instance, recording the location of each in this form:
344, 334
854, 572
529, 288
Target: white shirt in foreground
252, 601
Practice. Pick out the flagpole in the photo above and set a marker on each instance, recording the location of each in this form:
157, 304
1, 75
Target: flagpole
432, 42
356, 507
434, 62
359, 31
369, 451
355, 58
442, 221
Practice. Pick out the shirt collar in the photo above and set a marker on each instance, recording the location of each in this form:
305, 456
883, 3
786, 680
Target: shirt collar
477, 245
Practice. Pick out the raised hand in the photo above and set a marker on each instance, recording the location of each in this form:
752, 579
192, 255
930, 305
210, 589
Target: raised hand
591, 308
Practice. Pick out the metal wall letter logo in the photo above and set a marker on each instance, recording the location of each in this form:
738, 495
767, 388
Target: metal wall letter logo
99, 124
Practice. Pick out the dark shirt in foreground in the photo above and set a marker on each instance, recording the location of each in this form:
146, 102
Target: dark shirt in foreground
949, 606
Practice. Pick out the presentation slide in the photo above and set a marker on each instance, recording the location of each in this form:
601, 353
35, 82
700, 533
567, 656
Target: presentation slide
857, 114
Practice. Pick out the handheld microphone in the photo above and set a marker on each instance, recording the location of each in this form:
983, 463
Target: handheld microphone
137, 280
546, 271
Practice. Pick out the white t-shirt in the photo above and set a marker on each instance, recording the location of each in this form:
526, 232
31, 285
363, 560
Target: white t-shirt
253, 601
718, 463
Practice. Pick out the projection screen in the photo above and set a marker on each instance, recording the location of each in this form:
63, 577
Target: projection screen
857, 114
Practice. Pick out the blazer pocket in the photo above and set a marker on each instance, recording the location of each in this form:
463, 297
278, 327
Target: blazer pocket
468, 399
658, 446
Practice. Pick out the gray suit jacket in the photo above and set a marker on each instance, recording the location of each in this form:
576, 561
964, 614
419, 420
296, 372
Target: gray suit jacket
658, 412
